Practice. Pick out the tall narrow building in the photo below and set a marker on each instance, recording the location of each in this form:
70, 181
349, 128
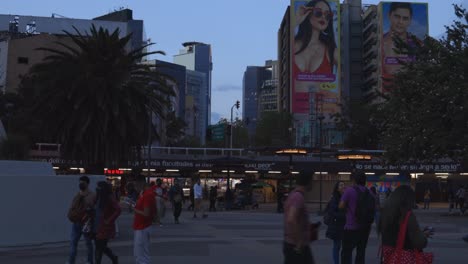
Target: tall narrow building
196, 56
254, 78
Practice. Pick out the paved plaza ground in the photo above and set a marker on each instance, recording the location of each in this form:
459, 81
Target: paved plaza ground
251, 236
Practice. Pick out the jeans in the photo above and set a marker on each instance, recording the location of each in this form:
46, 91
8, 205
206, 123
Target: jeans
75, 237
336, 251
354, 239
141, 246
102, 248
291, 256
212, 205
426, 203
177, 210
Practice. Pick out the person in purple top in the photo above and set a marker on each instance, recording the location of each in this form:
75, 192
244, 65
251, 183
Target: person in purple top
354, 235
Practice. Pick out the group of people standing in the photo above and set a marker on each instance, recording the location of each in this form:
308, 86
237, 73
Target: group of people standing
349, 216
93, 216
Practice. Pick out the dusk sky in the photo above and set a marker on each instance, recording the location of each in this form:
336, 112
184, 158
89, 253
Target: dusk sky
242, 32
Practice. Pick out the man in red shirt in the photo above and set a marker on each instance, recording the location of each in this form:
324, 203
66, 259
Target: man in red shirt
145, 210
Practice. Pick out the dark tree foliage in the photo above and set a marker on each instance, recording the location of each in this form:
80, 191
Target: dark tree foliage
94, 97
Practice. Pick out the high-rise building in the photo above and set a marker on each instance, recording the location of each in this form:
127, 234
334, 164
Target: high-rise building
351, 50
179, 75
284, 63
268, 92
253, 80
196, 105
370, 52
57, 24
20, 36
196, 56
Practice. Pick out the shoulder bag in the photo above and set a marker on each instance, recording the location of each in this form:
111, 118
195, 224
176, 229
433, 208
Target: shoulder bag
398, 255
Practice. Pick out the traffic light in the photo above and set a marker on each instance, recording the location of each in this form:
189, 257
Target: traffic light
228, 130
237, 104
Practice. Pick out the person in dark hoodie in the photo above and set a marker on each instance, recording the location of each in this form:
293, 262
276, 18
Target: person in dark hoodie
335, 219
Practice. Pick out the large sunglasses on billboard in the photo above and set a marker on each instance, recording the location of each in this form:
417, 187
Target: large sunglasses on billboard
318, 13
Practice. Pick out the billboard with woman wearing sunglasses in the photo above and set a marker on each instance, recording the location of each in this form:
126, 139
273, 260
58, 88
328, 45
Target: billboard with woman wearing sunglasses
315, 54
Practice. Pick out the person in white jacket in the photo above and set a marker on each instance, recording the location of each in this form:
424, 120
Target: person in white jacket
198, 195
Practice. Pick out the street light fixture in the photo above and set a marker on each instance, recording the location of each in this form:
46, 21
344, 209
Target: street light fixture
290, 152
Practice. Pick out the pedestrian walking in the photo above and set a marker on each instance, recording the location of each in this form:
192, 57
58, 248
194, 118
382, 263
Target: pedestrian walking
198, 196
144, 212
160, 202
460, 195
427, 199
335, 219
82, 202
397, 210
213, 197
373, 191
176, 195
107, 211
358, 219
191, 207
297, 231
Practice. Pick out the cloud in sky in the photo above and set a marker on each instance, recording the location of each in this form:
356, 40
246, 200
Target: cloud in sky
227, 87
215, 117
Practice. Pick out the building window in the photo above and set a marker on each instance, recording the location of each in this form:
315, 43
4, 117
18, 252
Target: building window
23, 60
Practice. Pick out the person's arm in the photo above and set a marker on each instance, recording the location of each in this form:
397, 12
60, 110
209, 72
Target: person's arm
344, 200
417, 237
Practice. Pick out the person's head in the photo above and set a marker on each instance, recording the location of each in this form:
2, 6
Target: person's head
398, 204
359, 177
198, 181
159, 182
84, 183
318, 21
338, 189
304, 180
103, 193
400, 15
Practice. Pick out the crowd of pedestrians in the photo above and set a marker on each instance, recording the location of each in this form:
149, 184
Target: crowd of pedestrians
349, 216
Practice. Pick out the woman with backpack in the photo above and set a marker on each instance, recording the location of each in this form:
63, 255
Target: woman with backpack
107, 211
335, 219
398, 210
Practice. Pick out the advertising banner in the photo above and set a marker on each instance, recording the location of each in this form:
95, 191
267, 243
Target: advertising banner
315, 54
405, 21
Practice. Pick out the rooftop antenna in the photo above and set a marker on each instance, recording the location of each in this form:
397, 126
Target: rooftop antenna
31, 27
55, 15
14, 25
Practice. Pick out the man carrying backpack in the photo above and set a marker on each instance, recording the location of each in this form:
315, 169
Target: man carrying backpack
83, 201
360, 210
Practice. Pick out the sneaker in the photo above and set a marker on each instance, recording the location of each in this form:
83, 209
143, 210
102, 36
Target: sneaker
205, 216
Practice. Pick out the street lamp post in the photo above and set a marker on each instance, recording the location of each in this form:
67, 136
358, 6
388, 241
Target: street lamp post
236, 105
320, 118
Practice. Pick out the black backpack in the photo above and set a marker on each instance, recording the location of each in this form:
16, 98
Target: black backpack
365, 207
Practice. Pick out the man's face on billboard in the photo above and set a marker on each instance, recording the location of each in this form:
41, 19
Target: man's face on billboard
400, 19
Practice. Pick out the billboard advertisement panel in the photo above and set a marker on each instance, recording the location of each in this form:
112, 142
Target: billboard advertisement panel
406, 21
315, 55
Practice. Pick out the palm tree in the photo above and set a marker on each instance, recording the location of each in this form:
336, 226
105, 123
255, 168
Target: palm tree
95, 98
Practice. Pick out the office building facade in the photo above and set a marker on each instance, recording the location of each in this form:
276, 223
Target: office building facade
253, 80
196, 56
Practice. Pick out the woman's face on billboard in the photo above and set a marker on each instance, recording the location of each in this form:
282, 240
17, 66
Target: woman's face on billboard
320, 16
